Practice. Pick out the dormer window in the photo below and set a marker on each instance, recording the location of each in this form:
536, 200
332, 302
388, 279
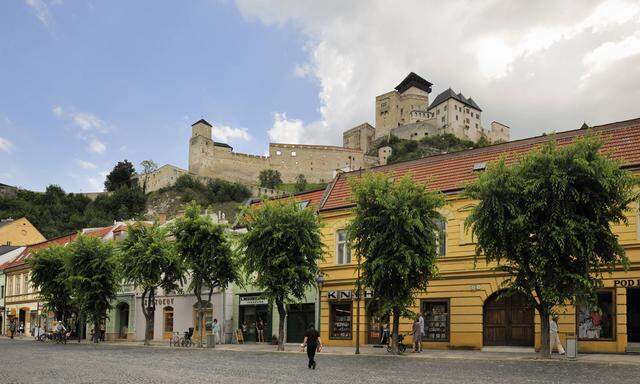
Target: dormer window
278, 153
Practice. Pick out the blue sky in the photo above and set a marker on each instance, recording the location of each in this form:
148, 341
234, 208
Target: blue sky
84, 84
97, 82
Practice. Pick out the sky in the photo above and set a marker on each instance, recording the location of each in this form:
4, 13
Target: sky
84, 84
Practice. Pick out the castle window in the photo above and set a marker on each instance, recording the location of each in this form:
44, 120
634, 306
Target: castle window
477, 116
476, 125
456, 117
445, 107
437, 111
278, 153
293, 153
443, 119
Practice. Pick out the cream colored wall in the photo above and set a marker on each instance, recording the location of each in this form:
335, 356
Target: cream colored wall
20, 232
399, 109
360, 137
163, 177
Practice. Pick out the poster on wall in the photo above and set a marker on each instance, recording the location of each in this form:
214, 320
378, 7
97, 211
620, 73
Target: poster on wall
596, 321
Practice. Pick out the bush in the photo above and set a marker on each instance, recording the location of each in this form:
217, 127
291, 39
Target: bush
187, 181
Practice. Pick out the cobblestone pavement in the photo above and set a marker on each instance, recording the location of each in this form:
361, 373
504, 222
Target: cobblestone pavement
33, 362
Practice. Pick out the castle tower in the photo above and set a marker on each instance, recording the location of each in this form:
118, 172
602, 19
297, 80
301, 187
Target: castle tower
397, 108
200, 146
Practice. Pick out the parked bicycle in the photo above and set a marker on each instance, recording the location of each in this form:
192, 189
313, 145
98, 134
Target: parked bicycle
402, 348
182, 341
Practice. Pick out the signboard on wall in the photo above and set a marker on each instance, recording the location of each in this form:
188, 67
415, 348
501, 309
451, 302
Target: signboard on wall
165, 301
253, 300
347, 295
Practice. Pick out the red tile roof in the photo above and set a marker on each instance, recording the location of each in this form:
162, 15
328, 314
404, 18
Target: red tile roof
314, 197
449, 172
21, 259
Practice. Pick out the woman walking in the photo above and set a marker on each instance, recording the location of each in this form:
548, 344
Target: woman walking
417, 335
313, 343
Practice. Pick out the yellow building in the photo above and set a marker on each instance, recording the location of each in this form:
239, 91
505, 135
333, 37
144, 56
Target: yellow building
460, 306
19, 232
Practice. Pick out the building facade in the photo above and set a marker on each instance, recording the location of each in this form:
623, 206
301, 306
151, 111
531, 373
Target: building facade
19, 232
162, 177
7, 254
461, 306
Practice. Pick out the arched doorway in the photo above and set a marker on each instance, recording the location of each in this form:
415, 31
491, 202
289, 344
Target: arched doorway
167, 326
122, 320
508, 321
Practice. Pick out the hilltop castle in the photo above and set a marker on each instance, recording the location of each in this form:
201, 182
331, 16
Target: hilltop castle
404, 112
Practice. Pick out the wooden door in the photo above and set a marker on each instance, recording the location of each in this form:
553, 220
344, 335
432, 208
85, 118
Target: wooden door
508, 321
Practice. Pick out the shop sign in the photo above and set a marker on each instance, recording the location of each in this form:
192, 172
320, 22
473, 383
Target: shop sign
253, 300
347, 295
165, 301
626, 283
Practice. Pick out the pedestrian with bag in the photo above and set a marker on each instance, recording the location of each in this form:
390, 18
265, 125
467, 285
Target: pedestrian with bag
416, 331
554, 339
313, 343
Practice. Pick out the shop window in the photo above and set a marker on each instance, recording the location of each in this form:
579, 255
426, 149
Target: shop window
436, 320
168, 319
595, 322
441, 237
341, 319
343, 251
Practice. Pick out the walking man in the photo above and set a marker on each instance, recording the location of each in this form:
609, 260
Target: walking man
416, 330
421, 321
554, 339
313, 342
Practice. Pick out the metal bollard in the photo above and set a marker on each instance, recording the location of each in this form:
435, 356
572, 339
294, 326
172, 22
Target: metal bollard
572, 346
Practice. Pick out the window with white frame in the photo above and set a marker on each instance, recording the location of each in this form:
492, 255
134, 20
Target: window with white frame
10, 286
16, 287
441, 238
25, 283
343, 251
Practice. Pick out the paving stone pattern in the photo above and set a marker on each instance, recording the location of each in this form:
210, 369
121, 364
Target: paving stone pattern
33, 362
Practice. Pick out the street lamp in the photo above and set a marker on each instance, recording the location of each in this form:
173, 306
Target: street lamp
319, 282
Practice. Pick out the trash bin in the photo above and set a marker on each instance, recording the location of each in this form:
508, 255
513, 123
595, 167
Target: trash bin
211, 341
572, 346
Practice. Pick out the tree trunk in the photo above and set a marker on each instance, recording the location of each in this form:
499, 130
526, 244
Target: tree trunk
282, 313
545, 347
200, 317
149, 312
96, 329
396, 326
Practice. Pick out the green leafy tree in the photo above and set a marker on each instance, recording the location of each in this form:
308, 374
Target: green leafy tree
148, 261
207, 255
121, 176
395, 231
282, 248
546, 222
301, 183
148, 167
49, 277
92, 274
270, 178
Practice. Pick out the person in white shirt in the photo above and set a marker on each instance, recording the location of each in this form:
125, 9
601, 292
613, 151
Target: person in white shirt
421, 322
554, 339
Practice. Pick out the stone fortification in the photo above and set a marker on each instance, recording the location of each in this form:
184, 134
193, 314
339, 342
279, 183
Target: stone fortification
318, 163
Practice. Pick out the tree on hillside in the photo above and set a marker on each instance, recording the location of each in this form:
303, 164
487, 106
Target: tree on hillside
546, 222
282, 248
49, 277
149, 262
93, 278
148, 167
207, 255
270, 178
121, 176
395, 231
301, 183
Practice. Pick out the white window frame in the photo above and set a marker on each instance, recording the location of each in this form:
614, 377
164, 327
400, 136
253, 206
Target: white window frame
346, 250
439, 253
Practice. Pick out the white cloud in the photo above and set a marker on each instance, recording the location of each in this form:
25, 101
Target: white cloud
601, 58
83, 120
41, 10
5, 145
520, 61
226, 133
85, 164
286, 130
97, 146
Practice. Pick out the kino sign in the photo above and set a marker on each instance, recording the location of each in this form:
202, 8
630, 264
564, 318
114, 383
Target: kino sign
347, 295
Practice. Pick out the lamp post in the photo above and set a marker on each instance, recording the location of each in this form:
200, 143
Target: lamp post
358, 295
319, 282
